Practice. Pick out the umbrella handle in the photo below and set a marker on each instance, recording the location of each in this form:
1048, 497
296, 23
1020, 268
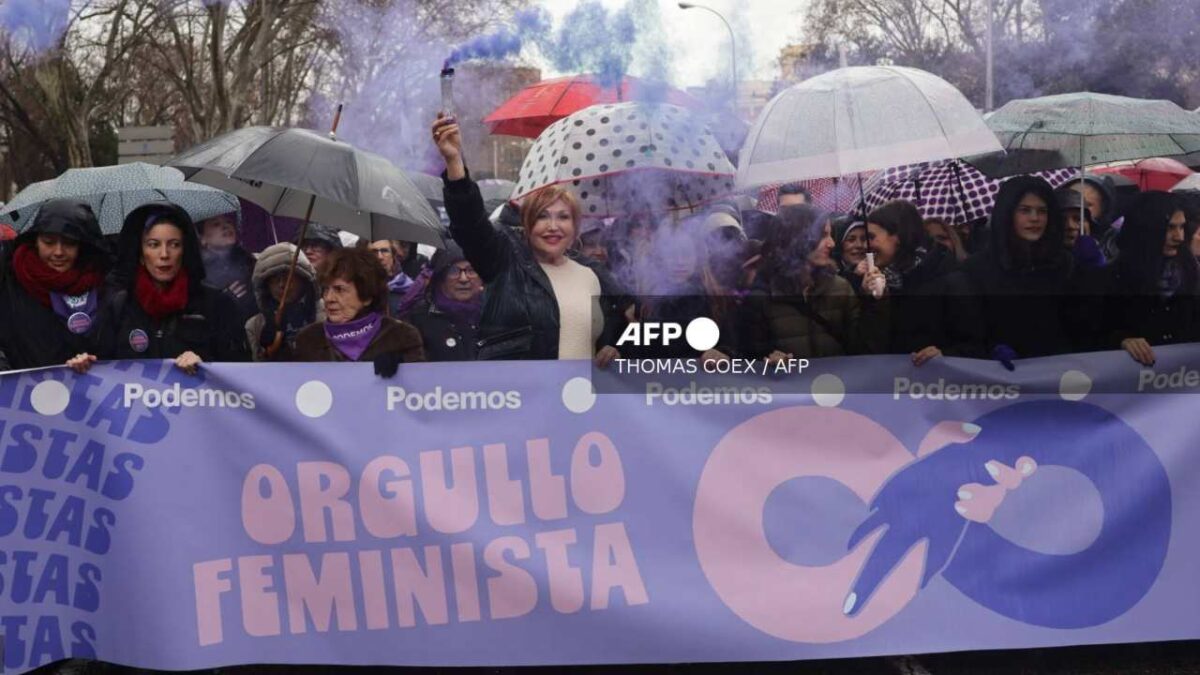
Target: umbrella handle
337, 118
273, 348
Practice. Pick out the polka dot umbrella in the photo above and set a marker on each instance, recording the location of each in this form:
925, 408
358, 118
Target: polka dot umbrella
629, 158
951, 190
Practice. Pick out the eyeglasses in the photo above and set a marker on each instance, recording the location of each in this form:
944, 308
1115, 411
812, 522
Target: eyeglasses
382, 252
466, 272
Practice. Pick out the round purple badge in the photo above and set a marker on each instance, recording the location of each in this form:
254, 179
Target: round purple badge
138, 340
79, 323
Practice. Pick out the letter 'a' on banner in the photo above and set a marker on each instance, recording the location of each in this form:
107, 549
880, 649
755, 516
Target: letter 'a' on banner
322, 515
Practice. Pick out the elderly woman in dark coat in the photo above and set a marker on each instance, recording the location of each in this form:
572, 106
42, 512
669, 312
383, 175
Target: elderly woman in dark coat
354, 288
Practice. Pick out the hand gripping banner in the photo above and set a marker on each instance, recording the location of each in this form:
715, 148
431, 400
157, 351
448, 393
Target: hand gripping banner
507, 514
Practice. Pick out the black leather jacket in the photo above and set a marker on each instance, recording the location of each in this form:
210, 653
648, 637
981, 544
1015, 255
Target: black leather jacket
520, 314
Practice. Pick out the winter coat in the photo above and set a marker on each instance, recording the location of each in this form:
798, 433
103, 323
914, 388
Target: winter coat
1136, 307
273, 260
1037, 307
222, 269
445, 338
1157, 319
33, 335
826, 323
209, 325
394, 337
932, 307
520, 314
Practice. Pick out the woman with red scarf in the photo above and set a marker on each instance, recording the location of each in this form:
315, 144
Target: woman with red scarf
162, 309
50, 289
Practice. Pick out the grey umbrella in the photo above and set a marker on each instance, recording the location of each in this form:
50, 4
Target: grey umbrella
496, 192
1082, 129
430, 187
299, 173
114, 191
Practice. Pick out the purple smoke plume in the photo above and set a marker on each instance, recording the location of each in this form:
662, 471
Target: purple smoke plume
35, 24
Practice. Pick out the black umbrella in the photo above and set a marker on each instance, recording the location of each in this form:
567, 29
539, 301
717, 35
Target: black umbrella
301, 174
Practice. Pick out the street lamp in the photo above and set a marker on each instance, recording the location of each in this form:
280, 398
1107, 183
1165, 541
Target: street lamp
732, 46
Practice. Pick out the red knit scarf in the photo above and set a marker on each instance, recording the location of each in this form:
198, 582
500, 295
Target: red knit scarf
158, 302
40, 280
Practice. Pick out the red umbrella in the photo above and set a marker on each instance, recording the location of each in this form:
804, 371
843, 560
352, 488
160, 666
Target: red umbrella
537, 106
1156, 173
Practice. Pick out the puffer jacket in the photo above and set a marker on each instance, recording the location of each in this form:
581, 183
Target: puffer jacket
825, 323
520, 314
273, 260
207, 326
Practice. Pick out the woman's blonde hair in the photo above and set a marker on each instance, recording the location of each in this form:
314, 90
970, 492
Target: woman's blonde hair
535, 203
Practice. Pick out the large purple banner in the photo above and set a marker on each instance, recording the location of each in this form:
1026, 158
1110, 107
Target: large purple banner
505, 514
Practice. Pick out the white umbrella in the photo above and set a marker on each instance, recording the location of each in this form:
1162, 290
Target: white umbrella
852, 120
626, 158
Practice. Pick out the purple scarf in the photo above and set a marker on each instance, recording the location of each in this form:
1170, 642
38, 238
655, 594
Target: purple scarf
78, 310
461, 312
352, 338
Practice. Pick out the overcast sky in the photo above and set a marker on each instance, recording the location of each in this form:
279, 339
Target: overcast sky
697, 37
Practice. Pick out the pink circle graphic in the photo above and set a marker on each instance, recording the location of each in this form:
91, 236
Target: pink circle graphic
789, 601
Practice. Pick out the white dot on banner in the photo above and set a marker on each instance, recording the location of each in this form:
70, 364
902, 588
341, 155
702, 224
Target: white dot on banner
578, 395
702, 334
50, 398
314, 398
1074, 385
828, 391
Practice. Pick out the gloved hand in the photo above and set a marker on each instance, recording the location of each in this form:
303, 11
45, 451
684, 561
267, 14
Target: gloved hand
1005, 355
1088, 253
387, 364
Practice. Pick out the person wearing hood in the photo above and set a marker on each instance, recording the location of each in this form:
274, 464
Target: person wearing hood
227, 265
354, 289
449, 324
922, 309
1155, 292
542, 303
1100, 197
850, 247
1077, 221
302, 308
319, 241
52, 287
1025, 282
162, 309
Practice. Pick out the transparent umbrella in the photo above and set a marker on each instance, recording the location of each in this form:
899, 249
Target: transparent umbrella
115, 191
1083, 129
859, 119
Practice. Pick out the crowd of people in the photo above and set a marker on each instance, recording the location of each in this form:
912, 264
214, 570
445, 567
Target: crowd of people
1049, 272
